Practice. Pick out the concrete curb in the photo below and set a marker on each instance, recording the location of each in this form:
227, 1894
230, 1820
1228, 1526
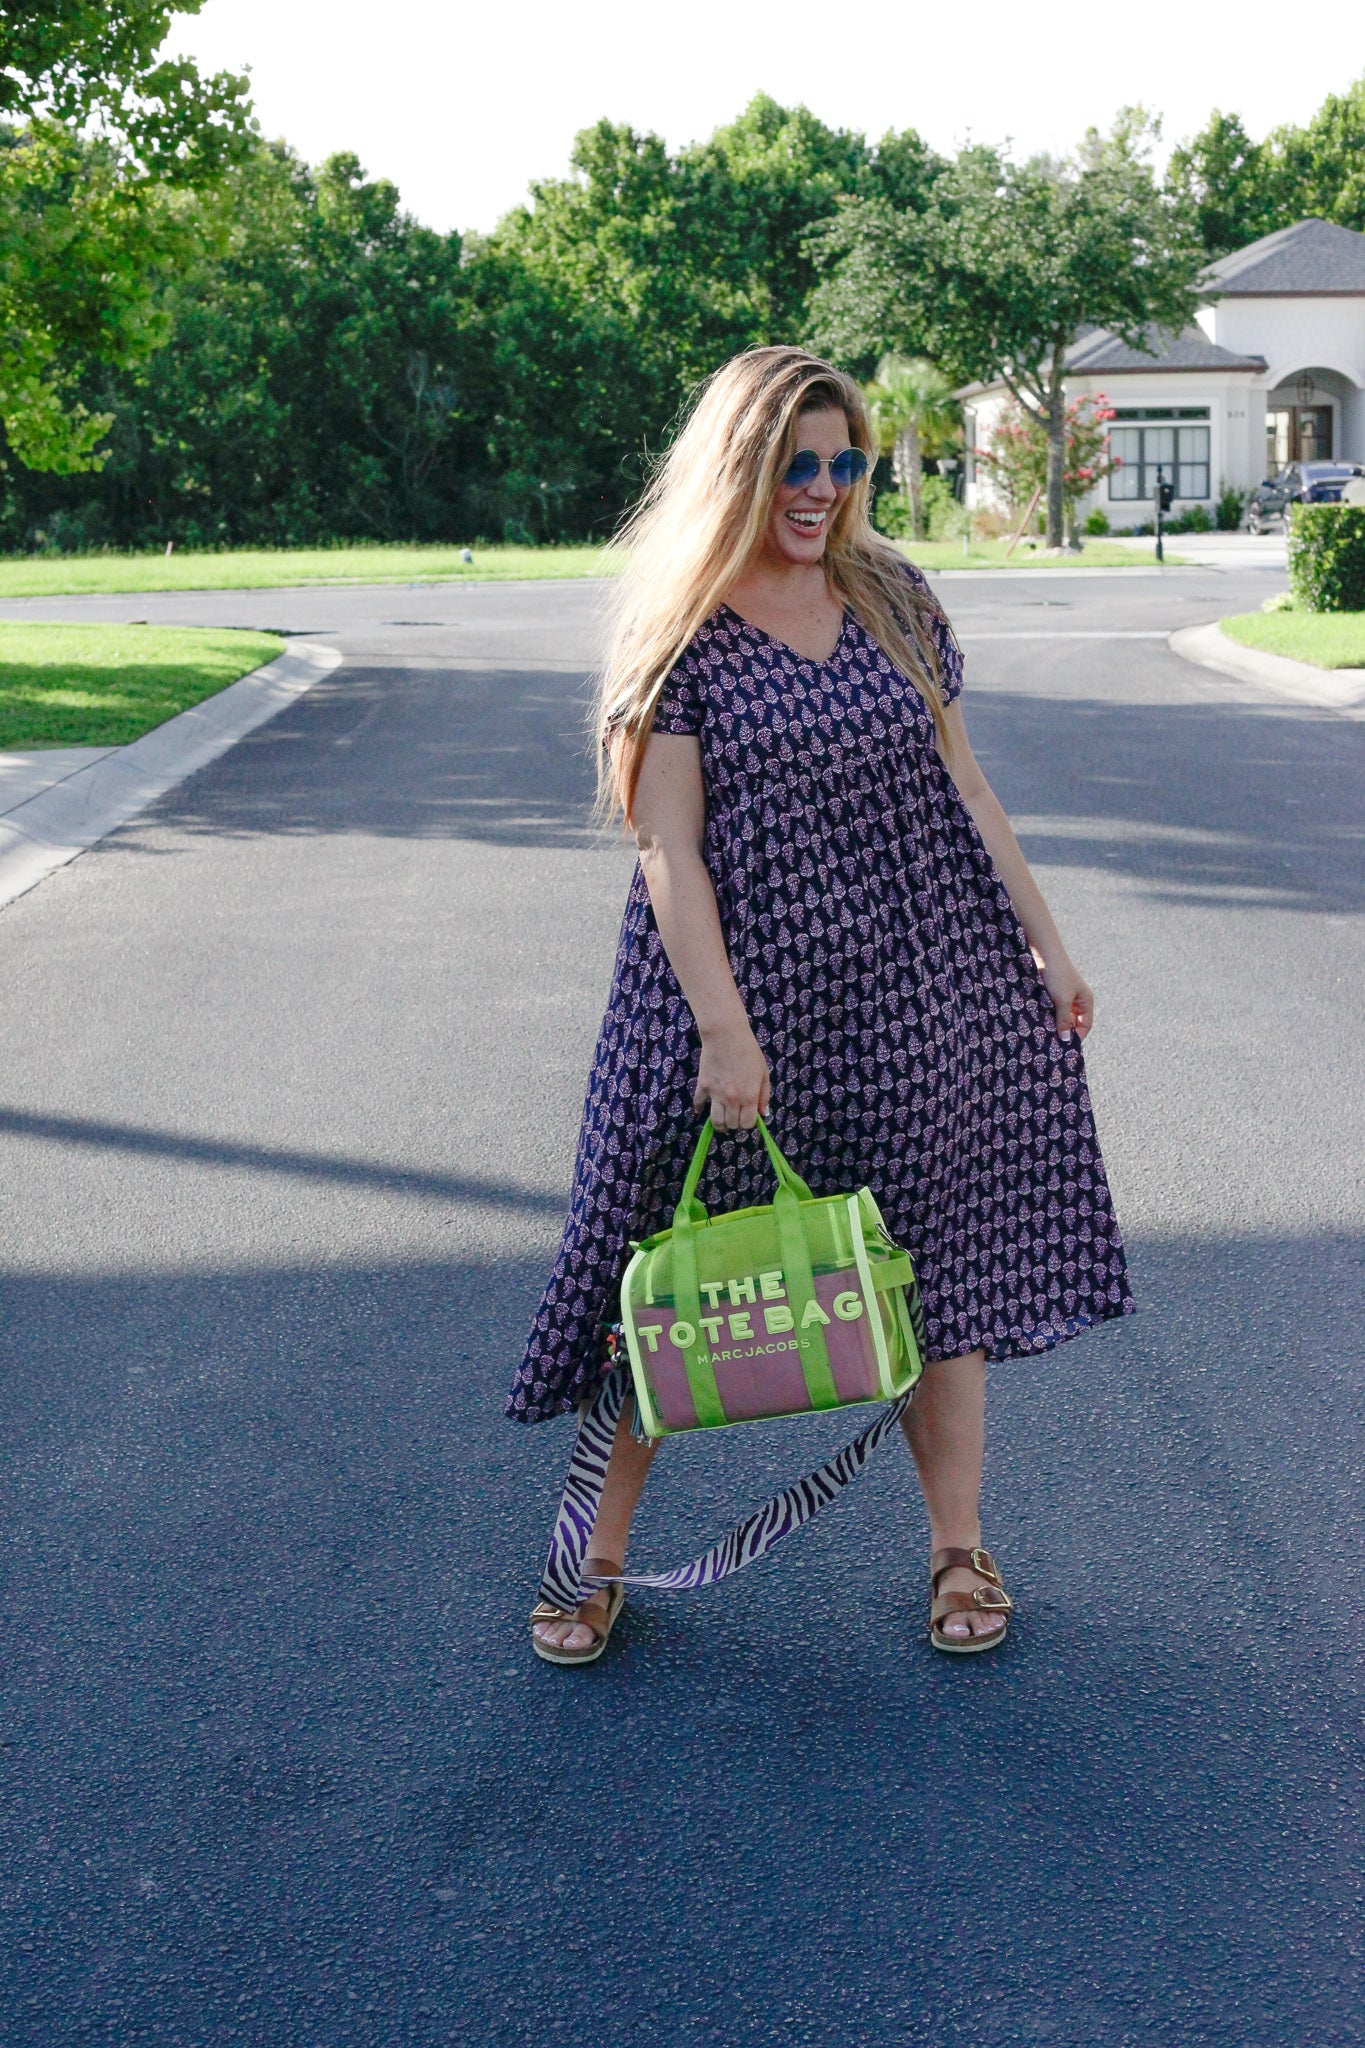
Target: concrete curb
60, 822
1341, 689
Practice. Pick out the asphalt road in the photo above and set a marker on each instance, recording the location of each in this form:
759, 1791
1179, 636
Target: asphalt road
290, 1073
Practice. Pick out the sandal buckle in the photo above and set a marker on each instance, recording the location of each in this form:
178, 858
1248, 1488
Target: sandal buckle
993, 1600
984, 1563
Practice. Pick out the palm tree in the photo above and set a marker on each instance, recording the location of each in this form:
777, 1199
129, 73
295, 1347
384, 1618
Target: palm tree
914, 414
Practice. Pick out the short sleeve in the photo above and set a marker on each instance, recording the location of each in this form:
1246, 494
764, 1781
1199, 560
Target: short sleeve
949, 660
943, 637
680, 708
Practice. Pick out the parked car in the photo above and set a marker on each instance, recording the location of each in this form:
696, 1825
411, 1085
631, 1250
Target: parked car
1302, 483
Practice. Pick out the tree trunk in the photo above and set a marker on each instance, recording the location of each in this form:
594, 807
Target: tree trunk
908, 463
1056, 457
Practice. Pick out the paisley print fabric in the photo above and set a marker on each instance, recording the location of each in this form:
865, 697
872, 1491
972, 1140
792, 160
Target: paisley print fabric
911, 1042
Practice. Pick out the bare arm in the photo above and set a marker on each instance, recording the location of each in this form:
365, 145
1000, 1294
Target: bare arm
669, 821
1072, 998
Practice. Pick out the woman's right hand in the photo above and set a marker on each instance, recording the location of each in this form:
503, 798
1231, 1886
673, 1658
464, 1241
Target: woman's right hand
733, 1079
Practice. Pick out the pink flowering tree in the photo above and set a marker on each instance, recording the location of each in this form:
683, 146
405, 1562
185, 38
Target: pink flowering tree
1015, 455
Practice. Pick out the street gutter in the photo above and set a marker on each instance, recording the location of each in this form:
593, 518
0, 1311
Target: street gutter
1328, 689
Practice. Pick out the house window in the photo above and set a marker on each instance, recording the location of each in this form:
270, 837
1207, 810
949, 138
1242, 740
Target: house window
1153, 448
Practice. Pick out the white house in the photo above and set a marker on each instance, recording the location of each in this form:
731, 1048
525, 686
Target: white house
1273, 372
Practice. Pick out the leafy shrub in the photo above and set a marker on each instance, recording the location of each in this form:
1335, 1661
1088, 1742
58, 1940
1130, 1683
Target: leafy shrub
1194, 520
944, 518
1096, 523
891, 515
1282, 601
990, 523
1227, 513
1327, 557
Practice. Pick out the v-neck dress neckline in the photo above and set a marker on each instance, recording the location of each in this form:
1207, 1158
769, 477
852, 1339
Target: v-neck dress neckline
785, 646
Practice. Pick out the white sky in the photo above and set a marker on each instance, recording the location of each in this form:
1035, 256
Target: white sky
463, 105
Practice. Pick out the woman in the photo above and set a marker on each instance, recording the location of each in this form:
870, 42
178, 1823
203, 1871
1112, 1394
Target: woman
832, 912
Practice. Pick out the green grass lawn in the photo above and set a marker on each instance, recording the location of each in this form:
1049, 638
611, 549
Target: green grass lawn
101, 686
990, 554
279, 568
1327, 639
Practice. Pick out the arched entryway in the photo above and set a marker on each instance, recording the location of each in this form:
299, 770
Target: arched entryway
1306, 417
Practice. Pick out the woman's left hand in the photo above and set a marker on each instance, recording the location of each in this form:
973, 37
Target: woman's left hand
1072, 996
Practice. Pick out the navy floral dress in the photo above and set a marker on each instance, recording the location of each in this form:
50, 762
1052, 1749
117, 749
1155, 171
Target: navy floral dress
912, 1044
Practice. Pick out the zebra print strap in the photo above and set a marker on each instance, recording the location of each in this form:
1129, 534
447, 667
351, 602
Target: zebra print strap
563, 1584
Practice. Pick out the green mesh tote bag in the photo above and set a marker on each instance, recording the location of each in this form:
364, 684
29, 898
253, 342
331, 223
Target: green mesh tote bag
797, 1306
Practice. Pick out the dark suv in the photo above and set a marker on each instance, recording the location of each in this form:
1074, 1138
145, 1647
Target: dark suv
1303, 483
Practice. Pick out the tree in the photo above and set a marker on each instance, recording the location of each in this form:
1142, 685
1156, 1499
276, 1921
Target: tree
1017, 451
330, 374
1009, 265
1227, 183
101, 136
914, 414
1320, 169
78, 62
1238, 189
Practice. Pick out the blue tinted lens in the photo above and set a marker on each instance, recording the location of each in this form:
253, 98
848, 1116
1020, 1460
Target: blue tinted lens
847, 468
805, 467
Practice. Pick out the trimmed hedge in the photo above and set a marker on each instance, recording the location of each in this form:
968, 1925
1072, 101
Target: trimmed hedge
1327, 557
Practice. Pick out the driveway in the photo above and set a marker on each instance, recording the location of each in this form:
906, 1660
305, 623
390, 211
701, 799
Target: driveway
292, 1067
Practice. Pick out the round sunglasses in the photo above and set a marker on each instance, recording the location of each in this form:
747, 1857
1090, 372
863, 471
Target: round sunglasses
844, 468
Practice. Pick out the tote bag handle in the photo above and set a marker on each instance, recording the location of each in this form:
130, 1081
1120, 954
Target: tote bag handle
690, 1209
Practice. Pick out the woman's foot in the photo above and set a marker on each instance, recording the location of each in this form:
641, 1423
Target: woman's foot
970, 1606
581, 1636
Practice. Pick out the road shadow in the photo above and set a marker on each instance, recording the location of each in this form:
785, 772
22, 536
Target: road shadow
1200, 804
1195, 803
496, 756
323, 1168
278, 1765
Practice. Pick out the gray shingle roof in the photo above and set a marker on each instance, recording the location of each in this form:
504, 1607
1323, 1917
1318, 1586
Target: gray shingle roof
1102, 354
1314, 257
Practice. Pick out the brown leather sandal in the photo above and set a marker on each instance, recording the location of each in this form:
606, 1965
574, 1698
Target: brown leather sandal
600, 1624
988, 1599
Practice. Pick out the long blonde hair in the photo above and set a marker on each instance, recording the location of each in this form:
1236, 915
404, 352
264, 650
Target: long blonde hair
701, 518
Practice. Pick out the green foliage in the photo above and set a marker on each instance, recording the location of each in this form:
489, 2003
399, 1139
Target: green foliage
1016, 455
667, 266
1238, 190
85, 251
1000, 265
1194, 519
1096, 522
1327, 557
1222, 177
324, 378
913, 393
339, 371
944, 518
88, 218
914, 414
78, 62
1227, 514
203, 340
1003, 265
891, 515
